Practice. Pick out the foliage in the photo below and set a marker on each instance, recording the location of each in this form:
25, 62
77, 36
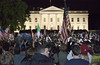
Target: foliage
13, 12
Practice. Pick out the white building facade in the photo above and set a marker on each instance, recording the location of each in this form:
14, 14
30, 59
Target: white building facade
51, 18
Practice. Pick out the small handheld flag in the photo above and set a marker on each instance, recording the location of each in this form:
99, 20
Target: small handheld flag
38, 31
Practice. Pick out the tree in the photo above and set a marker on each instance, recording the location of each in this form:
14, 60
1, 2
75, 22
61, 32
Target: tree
13, 13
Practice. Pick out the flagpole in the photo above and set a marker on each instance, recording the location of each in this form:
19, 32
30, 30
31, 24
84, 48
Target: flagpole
50, 2
65, 4
67, 9
64, 0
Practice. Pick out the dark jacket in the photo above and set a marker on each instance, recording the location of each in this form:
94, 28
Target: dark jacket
26, 60
18, 58
39, 59
77, 62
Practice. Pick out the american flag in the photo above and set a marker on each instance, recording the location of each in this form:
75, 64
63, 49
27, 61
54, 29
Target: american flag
68, 24
65, 26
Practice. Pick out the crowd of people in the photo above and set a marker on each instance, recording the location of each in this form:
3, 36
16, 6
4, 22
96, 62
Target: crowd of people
82, 48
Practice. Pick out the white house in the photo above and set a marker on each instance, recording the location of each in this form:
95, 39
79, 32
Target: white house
51, 18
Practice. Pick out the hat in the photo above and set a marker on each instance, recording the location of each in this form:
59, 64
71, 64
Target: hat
84, 48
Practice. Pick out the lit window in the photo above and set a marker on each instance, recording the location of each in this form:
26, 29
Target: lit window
51, 28
51, 20
44, 19
83, 19
35, 27
72, 27
77, 19
72, 19
35, 19
30, 27
58, 19
77, 27
58, 27
83, 26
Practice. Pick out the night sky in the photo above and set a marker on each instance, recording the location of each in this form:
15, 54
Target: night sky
93, 6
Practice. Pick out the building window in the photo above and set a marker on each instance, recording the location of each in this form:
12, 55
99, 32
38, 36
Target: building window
58, 19
51, 19
44, 19
77, 19
30, 27
83, 26
83, 19
51, 28
72, 19
35, 27
72, 27
35, 19
77, 27
57, 27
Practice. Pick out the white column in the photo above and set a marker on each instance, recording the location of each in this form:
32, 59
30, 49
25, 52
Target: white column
40, 21
48, 22
56, 21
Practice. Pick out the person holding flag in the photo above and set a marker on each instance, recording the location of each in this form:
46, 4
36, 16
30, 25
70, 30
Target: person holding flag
33, 37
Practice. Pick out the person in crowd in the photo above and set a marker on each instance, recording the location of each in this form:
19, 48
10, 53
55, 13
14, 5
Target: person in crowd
84, 56
18, 39
69, 56
27, 59
85, 50
96, 55
76, 59
6, 57
60, 57
95, 63
18, 55
1, 51
42, 57
51, 38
